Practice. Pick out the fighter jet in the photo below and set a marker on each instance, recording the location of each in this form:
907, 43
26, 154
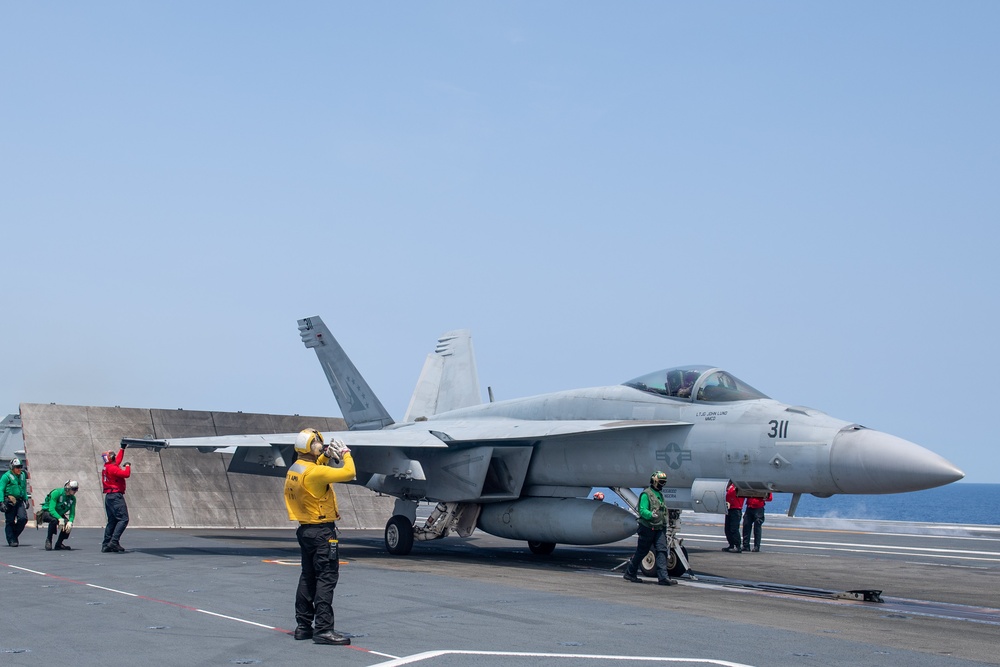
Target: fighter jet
523, 469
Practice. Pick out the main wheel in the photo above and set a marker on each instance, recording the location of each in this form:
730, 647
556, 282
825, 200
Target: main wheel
541, 548
399, 535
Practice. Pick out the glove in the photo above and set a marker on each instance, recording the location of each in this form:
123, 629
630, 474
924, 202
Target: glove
68, 527
656, 516
335, 451
11, 499
62, 523
127, 465
124, 445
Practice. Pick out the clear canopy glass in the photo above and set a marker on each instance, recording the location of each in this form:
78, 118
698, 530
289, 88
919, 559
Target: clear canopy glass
703, 383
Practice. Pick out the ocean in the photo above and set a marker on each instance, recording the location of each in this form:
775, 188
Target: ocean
962, 503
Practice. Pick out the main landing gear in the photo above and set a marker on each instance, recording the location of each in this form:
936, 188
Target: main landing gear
541, 548
401, 531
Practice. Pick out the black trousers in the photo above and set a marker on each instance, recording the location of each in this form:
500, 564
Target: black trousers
15, 519
53, 523
117, 511
320, 573
650, 539
733, 526
753, 519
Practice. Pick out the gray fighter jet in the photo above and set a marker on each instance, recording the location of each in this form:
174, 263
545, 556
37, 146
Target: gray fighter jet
524, 468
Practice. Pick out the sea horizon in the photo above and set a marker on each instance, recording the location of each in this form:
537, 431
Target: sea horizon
967, 503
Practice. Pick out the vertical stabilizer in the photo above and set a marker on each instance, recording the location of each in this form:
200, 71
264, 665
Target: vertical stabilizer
448, 380
361, 408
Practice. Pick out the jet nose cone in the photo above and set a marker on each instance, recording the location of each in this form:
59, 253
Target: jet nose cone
866, 461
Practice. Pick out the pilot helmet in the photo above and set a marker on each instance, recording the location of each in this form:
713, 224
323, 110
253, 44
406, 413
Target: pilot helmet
15, 463
72, 485
658, 479
307, 440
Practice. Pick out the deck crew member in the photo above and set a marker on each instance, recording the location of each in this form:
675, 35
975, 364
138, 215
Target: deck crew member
734, 509
652, 532
310, 499
59, 511
753, 520
113, 478
14, 496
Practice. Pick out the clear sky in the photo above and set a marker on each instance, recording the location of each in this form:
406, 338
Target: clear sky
807, 194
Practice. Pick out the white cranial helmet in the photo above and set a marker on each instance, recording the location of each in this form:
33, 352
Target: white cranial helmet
309, 441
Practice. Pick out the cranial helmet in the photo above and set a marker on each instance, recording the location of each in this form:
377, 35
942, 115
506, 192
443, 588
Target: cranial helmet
72, 485
658, 479
108, 456
309, 441
15, 463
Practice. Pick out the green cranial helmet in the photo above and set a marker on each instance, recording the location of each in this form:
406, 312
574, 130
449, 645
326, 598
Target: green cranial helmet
658, 479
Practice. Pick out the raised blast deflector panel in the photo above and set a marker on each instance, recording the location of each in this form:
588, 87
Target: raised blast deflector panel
557, 520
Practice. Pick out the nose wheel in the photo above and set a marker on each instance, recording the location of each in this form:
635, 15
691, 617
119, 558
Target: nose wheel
675, 566
399, 535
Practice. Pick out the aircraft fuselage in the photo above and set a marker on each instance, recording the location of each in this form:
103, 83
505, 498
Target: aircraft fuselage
762, 445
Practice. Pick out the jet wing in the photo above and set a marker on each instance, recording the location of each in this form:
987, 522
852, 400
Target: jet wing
228, 443
491, 429
418, 435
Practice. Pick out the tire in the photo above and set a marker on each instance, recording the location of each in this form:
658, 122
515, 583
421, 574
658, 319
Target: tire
648, 564
542, 548
399, 535
675, 567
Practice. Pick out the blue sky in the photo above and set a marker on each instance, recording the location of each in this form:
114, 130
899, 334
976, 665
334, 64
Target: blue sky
803, 193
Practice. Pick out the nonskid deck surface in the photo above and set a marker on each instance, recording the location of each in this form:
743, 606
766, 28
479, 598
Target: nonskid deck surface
225, 597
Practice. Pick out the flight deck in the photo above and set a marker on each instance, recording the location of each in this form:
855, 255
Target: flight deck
224, 597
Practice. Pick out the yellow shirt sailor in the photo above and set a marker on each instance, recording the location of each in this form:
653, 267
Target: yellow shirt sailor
311, 500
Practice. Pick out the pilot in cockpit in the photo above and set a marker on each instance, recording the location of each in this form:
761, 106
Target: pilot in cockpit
690, 377
675, 380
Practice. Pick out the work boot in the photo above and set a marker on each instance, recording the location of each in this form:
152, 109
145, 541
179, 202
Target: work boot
106, 549
48, 544
666, 582
62, 547
303, 632
631, 577
730, 548
116, 548
331, 637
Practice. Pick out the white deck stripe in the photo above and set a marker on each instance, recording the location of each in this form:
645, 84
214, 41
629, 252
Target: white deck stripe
428, 655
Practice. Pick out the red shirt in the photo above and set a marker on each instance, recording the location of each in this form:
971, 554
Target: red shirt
734, 501
113, 476
757, 503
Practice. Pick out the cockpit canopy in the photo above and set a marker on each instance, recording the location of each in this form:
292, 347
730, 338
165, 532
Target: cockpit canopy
703, 383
